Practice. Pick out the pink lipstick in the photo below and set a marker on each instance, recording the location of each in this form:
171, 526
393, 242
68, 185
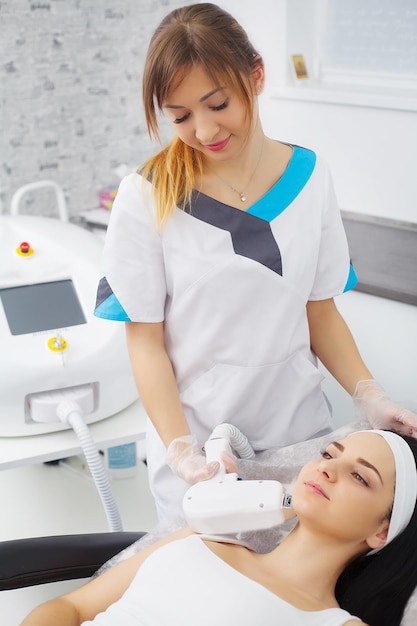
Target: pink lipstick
215, 147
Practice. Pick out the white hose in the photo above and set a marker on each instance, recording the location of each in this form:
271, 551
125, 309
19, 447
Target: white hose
70, 412
238, 441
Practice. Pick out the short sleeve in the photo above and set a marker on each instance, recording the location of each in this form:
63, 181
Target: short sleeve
334, 271
133, 287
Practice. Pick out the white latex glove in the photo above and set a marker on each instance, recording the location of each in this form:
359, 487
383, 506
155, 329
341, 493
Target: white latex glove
186, 459
371, 403
229, 461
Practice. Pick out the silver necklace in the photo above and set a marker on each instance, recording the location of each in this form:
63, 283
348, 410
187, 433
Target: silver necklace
241, 194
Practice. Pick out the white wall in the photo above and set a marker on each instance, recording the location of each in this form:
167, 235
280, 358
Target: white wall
372, 151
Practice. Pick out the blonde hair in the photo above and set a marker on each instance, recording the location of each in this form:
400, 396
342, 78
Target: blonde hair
198, 34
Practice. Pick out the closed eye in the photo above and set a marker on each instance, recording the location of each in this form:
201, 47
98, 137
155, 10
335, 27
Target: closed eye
221, 106
179, 120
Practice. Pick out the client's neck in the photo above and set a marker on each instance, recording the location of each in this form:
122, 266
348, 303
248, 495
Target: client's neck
314, 561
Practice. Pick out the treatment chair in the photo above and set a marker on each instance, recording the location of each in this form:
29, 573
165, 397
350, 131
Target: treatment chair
40, 560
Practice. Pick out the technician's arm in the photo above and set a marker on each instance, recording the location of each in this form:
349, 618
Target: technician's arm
96, 596
333, 343
155, 379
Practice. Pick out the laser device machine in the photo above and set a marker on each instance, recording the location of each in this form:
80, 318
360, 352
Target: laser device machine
60, 367
49, 338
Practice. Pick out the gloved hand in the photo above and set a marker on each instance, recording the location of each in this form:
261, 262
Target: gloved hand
186, 459
371, 403
229, 461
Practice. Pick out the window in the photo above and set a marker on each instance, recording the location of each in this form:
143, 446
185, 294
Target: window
372, 42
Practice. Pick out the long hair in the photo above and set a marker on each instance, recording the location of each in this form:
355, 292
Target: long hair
196, 35
377, 588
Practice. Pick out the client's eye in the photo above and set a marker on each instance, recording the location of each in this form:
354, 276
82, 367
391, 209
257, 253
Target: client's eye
325, 454
360, 479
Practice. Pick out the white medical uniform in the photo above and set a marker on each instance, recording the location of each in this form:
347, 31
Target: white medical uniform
185, 584
231, 287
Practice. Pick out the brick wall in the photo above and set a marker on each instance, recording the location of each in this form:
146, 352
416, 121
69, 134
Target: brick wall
70, 94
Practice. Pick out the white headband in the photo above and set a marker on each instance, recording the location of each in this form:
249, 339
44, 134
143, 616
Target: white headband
405, 484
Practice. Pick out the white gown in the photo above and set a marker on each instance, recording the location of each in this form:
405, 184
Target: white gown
185, 584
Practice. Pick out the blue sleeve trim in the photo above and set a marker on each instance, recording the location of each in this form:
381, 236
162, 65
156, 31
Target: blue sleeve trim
352, 280
111, 309
107, 305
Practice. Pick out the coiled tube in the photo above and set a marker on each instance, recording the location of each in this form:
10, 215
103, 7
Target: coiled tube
237, 440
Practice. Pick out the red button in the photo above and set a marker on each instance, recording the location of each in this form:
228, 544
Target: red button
24, 247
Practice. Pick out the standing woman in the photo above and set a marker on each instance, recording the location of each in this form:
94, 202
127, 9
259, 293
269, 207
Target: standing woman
223, 255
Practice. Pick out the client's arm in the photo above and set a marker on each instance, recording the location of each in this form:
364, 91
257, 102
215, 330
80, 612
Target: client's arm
85, 603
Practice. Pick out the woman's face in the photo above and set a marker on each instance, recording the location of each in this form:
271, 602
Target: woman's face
349, 491
209, 117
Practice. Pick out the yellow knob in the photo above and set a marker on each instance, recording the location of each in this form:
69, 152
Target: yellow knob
57, 344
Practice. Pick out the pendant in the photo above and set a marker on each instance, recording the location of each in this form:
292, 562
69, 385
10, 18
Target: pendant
242, 196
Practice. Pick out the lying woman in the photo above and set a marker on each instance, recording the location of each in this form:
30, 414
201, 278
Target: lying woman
350, 560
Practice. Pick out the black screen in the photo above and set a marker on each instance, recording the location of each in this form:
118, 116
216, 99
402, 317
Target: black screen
44, 306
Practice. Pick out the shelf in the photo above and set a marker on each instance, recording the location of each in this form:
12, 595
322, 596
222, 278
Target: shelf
350, 95
126, 426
